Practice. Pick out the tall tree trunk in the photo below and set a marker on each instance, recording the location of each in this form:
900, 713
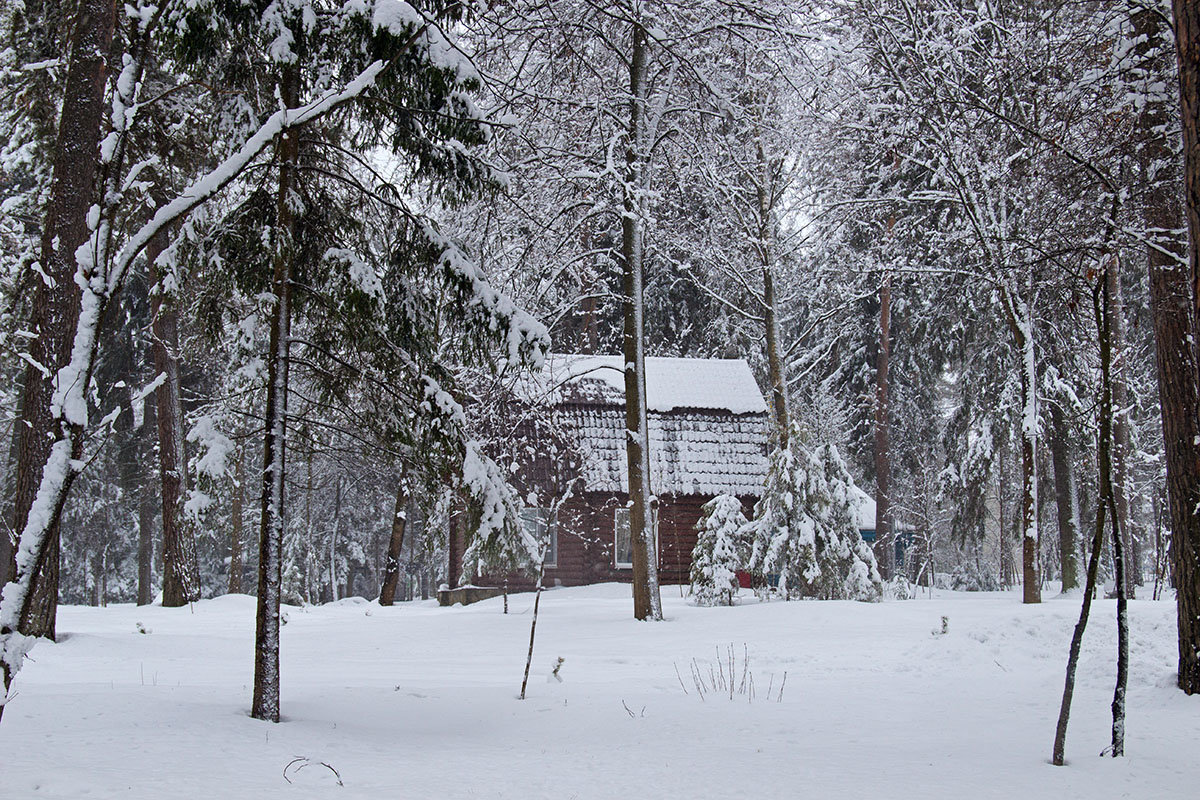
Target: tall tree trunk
1067, 499
1173, 302
647, 602
1114, 296
149, 498
1020, 319
56, 297
391, 570
181, 578
766, 255
270, 554
883, 470
334, 532
236, 537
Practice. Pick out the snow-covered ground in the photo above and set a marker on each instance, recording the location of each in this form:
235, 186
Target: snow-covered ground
417, 701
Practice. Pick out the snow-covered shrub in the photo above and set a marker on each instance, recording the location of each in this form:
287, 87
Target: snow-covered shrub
899, 588
719, 552
970, 576
804, 528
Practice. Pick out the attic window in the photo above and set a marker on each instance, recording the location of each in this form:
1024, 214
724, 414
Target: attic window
623, 541
539, 524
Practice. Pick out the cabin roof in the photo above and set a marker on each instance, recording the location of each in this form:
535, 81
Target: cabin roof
691, 452
708, 422
711, 384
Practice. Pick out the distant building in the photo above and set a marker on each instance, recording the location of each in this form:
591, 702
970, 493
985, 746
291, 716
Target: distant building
709, 430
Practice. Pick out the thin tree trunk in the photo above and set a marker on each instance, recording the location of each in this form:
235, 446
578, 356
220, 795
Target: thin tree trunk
1089, 590
181, 578
1067, 499
537, 599
56, 300
270, 555
333, 535
236, 537
766, 253
1020, 319
1106, 319
1121, 438
883, 470
647, 602
1173, 300
391, 570
148, 499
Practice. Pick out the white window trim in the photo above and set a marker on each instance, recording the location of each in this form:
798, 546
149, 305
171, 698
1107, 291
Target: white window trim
657, 539
551, 535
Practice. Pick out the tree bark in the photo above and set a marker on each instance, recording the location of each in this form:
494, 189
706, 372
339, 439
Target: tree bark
1114, 296
391, 570
181, 577
270, 555
647, 602
1020, 319
766, 253
147, 501
56, 300
883, 469
1174, 307
236, 537
1067, 499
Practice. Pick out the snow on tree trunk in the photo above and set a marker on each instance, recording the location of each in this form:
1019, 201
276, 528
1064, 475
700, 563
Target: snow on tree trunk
56, 299
883, 471
1066, 496
236, 537
720, 551
181, 576
1021, 324
647, 602
391, 570
270, 550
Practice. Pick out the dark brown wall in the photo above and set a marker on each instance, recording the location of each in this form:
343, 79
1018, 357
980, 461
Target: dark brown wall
585, 541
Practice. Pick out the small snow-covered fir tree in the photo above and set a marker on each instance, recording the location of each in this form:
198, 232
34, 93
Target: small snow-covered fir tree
804, 528
720, 550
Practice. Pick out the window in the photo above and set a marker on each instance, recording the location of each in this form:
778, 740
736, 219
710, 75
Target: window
623, 541
538, 524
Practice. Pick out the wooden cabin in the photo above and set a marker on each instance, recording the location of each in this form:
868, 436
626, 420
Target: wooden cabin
709, 429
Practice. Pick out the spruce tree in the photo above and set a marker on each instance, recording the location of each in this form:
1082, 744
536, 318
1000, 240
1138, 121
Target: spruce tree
721, 549
804, 528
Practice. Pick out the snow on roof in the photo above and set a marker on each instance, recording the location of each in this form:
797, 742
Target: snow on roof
864, 508
864, 511
691, 452
717, 384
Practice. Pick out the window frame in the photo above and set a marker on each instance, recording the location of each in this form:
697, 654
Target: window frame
551, 523
617, 513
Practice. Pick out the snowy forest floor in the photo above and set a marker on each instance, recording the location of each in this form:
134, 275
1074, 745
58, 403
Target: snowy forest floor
417, 701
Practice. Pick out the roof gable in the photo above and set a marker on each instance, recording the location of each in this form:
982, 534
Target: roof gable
710, 384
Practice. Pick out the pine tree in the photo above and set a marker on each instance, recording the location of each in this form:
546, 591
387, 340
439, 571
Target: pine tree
720, 550
804, 528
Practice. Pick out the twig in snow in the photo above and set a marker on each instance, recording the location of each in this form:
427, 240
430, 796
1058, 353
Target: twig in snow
306, 762
680, 677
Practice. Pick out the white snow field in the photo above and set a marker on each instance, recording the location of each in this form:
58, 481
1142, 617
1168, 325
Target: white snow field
417, 701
